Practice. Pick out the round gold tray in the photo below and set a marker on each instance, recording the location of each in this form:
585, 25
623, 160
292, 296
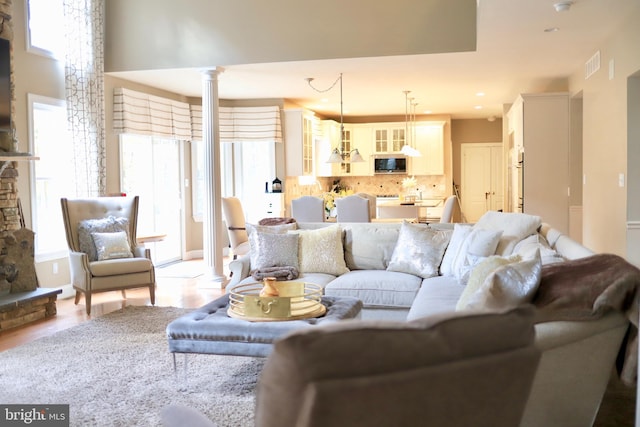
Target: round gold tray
296, 300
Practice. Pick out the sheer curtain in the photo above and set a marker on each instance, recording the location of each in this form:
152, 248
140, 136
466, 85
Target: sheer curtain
84, 71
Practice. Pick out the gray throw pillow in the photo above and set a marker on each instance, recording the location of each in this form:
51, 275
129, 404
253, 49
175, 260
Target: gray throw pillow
110, 224
273, 250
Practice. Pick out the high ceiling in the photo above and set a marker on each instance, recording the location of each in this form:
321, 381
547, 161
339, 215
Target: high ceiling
514, 55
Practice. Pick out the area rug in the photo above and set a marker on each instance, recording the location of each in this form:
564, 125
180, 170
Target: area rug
116, 370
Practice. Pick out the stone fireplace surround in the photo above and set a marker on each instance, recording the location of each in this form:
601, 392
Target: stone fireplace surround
21, 299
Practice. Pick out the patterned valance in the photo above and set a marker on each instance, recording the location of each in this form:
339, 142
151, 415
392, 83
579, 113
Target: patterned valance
143, 114
240, 124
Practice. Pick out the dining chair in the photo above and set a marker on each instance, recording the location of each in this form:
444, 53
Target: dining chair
447, 211
353, 209
308, 209
236, 226
372, 203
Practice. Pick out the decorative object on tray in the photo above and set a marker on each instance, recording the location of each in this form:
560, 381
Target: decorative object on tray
294, 301
269, 288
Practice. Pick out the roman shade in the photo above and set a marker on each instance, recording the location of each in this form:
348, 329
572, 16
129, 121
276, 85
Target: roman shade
240, 124
143, 114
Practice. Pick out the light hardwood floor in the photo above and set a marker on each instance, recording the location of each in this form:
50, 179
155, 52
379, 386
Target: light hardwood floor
170, 291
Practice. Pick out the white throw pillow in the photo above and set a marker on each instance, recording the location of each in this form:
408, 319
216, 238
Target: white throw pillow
419, 250
478, 244
112, 245
479, 274
508, 286
321, 251
528, 247
514, 226
460, 232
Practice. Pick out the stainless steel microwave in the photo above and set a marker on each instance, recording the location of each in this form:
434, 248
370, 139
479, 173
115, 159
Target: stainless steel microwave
390, 165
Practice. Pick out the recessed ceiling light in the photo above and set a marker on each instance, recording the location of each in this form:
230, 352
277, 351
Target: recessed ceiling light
478, 107
551, 30
427, 111
325, 100
480, 94
562, 6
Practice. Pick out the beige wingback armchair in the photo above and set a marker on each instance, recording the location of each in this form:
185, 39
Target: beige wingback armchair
101, 257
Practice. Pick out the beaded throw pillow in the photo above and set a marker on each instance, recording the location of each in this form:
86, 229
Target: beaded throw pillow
419, 250
112, 245
102, 225
273, 250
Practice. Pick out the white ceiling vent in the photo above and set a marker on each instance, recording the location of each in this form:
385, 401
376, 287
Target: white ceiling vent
592, 65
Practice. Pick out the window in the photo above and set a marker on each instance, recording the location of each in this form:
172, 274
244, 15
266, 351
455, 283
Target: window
51, 176
150, 169
245, 167
45, 35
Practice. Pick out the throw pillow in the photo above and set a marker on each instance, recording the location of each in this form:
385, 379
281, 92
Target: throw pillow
460, 232
514, 226
100, 225
369, 247
112, 245
527, 248
508, 286
321, 251
480, 272
273, 250
477, 245
274, 229
419, 250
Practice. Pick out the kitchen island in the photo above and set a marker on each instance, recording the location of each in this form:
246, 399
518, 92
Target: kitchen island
428, 210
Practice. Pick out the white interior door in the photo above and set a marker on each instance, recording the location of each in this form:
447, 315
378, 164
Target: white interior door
482, 181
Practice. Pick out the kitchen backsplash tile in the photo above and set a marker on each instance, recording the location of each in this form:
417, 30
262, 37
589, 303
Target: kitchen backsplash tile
429, 185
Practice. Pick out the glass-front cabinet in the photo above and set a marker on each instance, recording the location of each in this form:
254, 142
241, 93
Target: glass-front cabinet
301, 130
390, 138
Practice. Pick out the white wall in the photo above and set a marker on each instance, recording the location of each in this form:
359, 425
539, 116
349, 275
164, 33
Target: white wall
605, 140
152, 34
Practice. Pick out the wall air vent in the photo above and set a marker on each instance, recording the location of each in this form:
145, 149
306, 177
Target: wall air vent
592, 65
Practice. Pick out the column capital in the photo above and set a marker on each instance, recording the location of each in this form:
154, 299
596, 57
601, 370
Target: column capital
211, 72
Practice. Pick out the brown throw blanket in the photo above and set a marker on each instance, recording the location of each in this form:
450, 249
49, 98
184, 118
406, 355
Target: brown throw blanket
588, 288
280, 273
276, 221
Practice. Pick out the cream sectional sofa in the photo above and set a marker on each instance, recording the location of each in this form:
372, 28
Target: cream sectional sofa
578, 356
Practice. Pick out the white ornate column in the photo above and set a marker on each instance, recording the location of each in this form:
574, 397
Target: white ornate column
212, 238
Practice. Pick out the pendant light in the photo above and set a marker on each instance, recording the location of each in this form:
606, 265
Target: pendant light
337, 156
407, 149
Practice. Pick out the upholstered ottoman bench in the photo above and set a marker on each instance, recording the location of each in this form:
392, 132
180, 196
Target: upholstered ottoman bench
210, 330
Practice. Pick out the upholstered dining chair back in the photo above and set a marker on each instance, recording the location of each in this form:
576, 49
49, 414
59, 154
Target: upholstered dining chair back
103, 251
447, 211
454, 370
353, 209
236, 225
372, 203
308, 209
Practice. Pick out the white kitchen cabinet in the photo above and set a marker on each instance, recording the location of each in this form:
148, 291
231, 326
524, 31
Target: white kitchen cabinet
388, 137
539, 135
361, 139
429, 140
301, 130
356, 136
